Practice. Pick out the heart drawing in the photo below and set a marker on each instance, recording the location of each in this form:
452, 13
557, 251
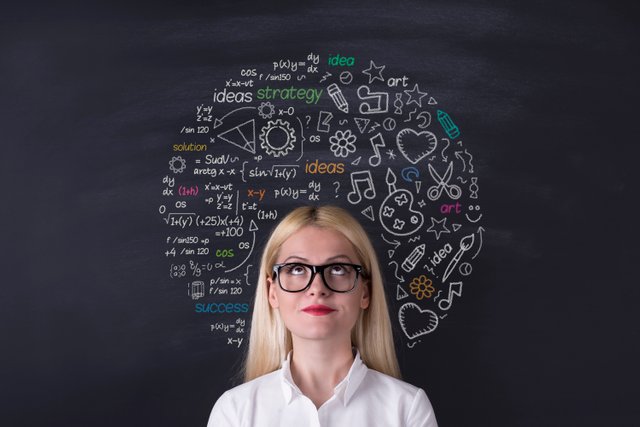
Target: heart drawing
413, 320
415, 146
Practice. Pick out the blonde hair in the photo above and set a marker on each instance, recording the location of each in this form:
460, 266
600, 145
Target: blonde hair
270, 341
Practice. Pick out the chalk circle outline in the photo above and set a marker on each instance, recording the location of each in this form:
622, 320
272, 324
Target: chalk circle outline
465, 269
346, 77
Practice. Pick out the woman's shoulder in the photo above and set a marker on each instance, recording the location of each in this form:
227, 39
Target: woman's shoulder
409, 401
376, 378
250, 388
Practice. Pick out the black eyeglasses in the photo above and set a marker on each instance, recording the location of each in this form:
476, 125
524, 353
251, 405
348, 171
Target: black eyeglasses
297, 277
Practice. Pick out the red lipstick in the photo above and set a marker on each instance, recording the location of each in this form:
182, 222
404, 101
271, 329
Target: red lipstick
318, 310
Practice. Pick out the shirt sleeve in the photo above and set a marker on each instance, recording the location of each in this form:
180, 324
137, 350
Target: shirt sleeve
421, 412
224, 413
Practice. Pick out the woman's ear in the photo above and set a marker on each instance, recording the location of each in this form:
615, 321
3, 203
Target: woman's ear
273, 296
366, 295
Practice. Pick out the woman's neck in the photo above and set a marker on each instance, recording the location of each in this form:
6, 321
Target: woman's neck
317, 367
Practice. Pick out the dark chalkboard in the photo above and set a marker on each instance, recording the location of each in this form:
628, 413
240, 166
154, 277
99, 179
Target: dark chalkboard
486, 147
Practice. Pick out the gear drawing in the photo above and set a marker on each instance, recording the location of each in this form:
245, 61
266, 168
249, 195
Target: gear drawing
266, 110
277, 138
177, 164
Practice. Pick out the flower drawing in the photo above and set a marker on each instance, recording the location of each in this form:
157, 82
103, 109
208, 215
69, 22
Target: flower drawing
343, 143
422, 287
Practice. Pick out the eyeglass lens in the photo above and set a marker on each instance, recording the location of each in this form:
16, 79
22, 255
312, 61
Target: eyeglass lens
339, 277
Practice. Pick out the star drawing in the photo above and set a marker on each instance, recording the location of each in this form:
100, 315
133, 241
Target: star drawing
415, 96
377, 75
440, 228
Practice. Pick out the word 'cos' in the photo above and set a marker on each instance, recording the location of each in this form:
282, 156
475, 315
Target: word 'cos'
224, 253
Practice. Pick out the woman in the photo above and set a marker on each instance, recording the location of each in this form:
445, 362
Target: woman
321, 350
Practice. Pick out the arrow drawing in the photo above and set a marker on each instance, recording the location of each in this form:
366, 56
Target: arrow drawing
480, 230
445, 158
459, 156
395, 243
395, 273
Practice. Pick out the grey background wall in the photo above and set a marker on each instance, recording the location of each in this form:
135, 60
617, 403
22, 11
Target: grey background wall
93, 332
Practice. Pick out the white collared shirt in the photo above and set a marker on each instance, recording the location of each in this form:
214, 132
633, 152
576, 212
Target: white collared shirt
363, 398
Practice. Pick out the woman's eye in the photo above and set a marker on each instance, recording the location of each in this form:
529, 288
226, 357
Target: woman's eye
338, 270
296, 269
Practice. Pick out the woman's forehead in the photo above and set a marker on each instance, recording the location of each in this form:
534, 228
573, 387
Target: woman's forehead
317, 242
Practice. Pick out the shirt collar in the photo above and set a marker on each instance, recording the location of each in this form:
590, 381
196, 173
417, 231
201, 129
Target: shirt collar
288, 386
344, 391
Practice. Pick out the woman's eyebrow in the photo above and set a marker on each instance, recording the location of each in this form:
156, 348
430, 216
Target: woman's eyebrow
295, 257
339, 257
331, 259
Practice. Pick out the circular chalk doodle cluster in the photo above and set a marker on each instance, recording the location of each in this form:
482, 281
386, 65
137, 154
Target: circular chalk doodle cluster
321, 130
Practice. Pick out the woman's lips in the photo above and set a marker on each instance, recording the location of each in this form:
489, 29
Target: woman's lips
318, 310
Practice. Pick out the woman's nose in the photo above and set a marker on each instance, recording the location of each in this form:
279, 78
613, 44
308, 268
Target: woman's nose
317, 286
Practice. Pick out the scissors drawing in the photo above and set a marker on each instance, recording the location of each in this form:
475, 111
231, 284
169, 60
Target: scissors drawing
442, 184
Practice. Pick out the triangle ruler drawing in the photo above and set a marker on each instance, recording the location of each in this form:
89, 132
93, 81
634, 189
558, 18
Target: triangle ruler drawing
242, 136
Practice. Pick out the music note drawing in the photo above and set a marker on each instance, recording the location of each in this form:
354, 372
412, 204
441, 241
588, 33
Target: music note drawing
377, 141
455, 289
369, 191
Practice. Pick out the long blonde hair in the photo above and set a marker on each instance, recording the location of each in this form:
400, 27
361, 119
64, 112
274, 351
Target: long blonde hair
270, 341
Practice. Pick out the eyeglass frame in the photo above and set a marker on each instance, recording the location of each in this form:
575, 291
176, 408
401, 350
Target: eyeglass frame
315, 269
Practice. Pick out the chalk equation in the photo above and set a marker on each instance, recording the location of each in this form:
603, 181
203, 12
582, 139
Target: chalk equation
322, 128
